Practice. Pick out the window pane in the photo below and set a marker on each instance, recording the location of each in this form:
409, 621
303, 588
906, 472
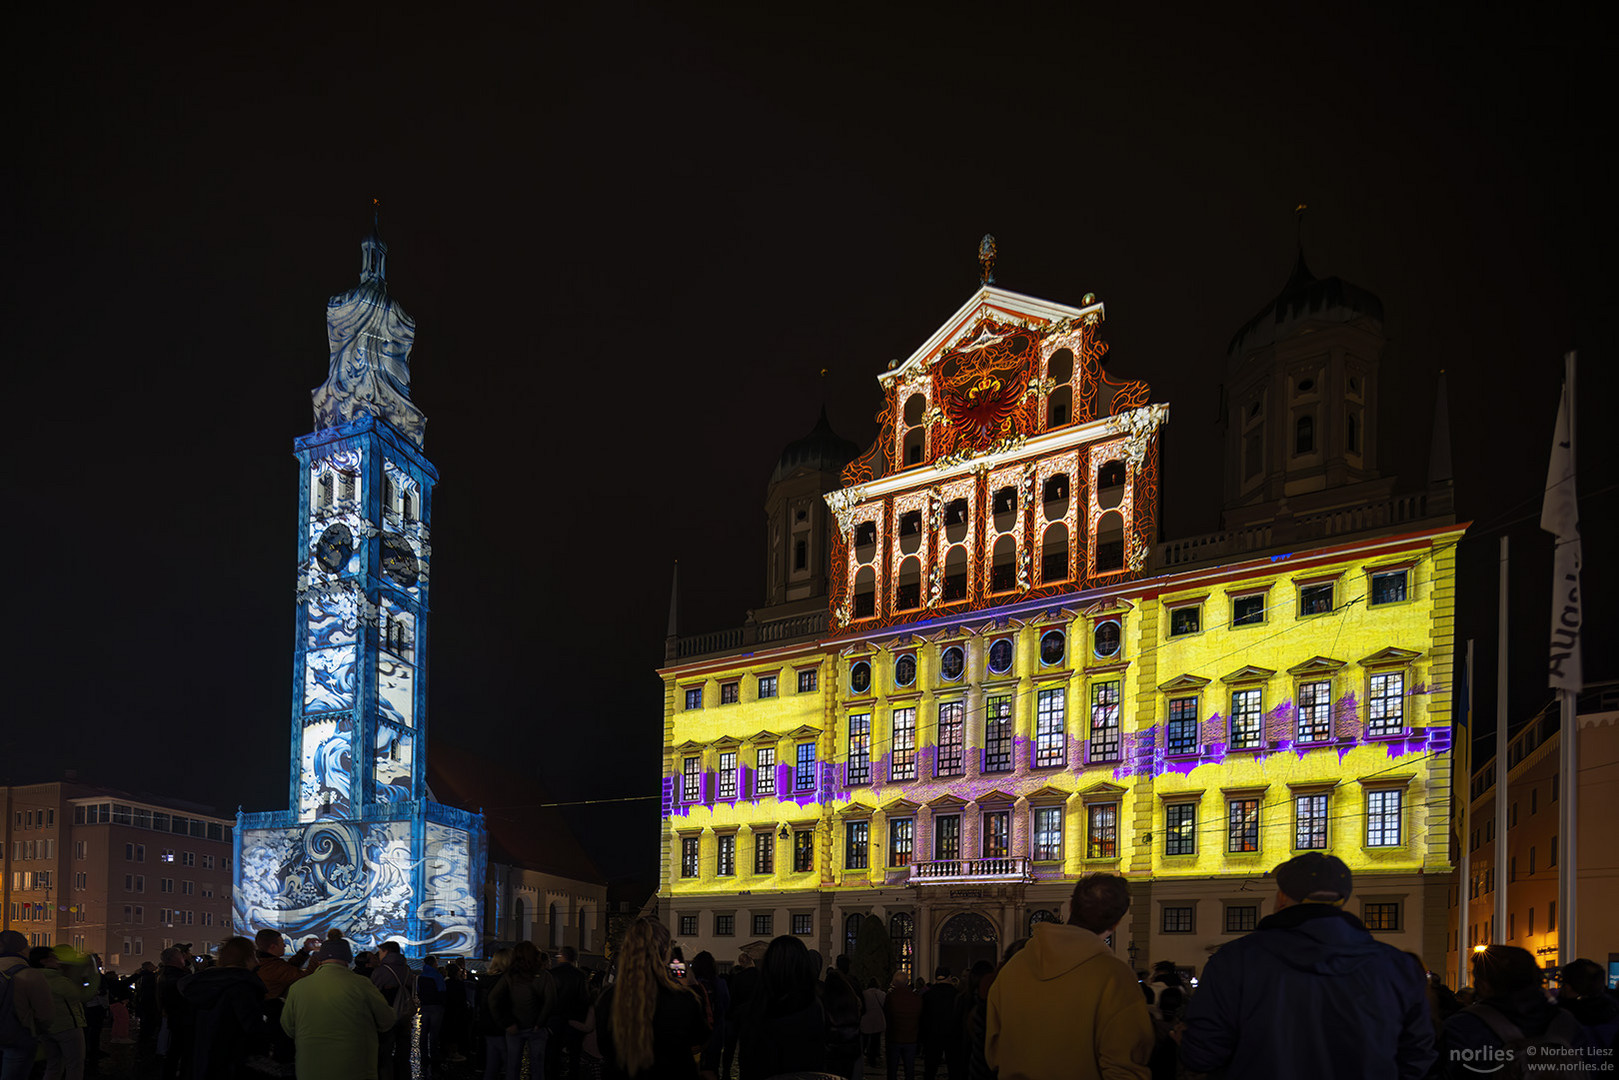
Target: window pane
1310, 812
1243, 833
1386, 704
997, 834
860, 748
804, 775
1105, 722
1181, 732
902, 763
1102, 835
952, 740
764, 780
901, 832
1180, 829
947, 837
998, 734
1315, 712
857, 836
1048, 833
1051, 734
1383, 818
1247, 720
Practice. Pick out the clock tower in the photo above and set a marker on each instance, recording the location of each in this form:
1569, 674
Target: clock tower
362, 846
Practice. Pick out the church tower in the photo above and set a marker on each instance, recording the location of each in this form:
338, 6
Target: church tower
798, 523
362, 847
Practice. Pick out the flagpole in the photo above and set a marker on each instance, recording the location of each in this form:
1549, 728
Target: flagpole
1568, 804
1464, 757
1503, 875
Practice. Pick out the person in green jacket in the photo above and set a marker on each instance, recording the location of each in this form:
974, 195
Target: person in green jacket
73, 980
334, 1017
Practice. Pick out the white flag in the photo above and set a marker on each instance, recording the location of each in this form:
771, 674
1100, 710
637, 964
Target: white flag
1560, 516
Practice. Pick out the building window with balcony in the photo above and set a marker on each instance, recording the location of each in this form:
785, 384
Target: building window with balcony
1241, 918
1178, 919
725, 925
1383, 817
691, 780
803, 852
764, 777
1180, 828
902, 762
725, 856
764, 853
763, 925
694, 697
1310, 822
1247, 719
690, 856
1047, 845
727, 774
1242, 826
1102, 831
804, 774
859, 748
767, 686
857, 845
951, 759
997, 825
1050, 729
901, 840
1180, 733
1385, 704
1315, 712
947, 837
998, 734
1105, 721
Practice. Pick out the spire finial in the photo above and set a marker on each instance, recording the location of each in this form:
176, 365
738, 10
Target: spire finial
986, 260
376, 215
373, 252
1298, 226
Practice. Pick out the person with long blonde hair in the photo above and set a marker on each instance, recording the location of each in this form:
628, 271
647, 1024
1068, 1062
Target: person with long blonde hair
649, 1026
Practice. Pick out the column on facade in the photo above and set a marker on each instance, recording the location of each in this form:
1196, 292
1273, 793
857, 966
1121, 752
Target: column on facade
970, 848
922, 843
922, 951
1021, 834
1009, 923
877, 845
973, 708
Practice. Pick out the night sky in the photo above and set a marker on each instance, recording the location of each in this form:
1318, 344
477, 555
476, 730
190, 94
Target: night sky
632, 237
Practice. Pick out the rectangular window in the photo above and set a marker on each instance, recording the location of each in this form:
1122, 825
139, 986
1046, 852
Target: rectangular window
188, 858
81, 849
188, 888
901, 839
767, 686
1247, 719
860, 748
997, 834
1310, 821
730, 693
1105, 722
1248, 610
724, 925
1102, 831
1315, 712
764, 780
808, 680
1385, 706
1185, 620
1177, 920
1315, 599
804, 775
1180, 829
1180, 734
998, 734
952, 740
688, 926
694, 697
803, 925
762, 925
727, 783
690, 856
1242, 833
1047, 845
1241, 918
1388, 588
857, 845
1381, 916
947, 837
691, 780
1383, 818
764, 853
902, 763
803, 852
1050, 729
725, 855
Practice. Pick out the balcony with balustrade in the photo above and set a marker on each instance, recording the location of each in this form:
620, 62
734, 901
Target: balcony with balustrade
969, 871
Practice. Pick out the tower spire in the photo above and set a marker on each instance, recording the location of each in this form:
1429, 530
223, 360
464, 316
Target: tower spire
373, 252
1441, 482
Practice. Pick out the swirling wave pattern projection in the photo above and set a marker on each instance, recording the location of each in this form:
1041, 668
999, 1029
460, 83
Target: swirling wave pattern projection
394, 754
333, 618
325, 779
329, 679
396, 691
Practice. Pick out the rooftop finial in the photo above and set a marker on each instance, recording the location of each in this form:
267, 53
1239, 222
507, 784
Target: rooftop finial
373, 252
986, 260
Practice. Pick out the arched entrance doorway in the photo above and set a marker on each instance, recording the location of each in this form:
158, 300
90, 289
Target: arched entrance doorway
964, 940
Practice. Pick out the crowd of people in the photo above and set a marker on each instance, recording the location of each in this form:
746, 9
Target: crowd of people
1309, 993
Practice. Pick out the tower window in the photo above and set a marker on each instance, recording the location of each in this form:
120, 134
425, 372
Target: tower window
955, 574
865, 534
1003, 570
1054, 553
800, 553
955, 512
1005, 502
347, 486
1055, 489
1110, 542
1110, 485
408, 506
910, 524
1351, 433
325, 489
1304, 435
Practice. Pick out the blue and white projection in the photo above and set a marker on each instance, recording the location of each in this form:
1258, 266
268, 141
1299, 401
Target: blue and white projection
362, 847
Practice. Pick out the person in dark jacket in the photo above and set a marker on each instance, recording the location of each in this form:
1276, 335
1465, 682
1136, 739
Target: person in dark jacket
704, 977
522, 1002
489, 1030
902, 1010
784, 1028
1511, 1004
573, 1002
177, 1015
648, 1026
938, 1022
1354, 1006
842, 1002
744, 985
393, 976
228, 1000
1585, 995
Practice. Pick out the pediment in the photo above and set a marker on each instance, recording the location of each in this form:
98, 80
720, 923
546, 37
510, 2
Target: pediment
855, 810
1391, 655
1249, 673
1182, 683
947, 801
899, 806
1047, 794
1101, 790
804, 731
729, 742
691, 744
764, 737
1113, 605
989, 305
995, 796
1317, 665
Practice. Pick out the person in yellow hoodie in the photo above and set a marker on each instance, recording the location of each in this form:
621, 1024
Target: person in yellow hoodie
1066, 1007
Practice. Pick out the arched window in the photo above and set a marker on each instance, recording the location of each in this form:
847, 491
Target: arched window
1351, 433
913, 446
865, 535
955, 574
1110, 485
1040, 915
519, 920
865, 593
554, 927
1054, 553
1003, 565
1304, 435
851, 932
955, 520
584, 930
1054, 494
902, 933
1003, 506
1059, 407
1110, 542
908, 591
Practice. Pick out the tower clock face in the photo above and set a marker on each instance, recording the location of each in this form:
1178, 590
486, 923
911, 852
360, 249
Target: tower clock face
334, 547
399, 562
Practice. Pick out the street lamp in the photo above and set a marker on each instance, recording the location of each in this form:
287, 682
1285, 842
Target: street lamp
1132, 950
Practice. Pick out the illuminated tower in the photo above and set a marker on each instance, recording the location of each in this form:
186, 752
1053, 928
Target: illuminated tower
362, 847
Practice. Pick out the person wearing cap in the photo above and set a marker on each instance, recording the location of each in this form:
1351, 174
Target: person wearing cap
334, 1017
28, 1005
1309, 992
